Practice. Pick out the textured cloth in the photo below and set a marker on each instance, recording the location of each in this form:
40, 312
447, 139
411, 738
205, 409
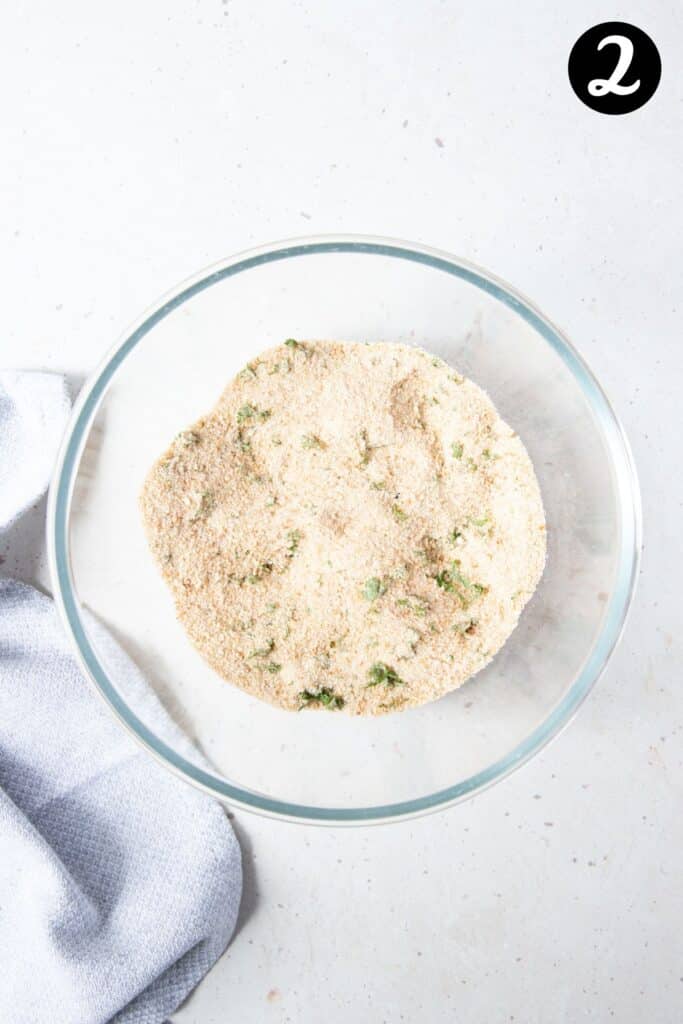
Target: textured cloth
119, 884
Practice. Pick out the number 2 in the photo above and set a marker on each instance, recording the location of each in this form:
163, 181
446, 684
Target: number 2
602, 86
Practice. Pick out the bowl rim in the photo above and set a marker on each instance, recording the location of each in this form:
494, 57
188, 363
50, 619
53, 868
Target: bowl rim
66, 468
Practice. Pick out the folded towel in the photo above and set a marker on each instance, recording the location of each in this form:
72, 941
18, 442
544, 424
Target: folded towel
119, 884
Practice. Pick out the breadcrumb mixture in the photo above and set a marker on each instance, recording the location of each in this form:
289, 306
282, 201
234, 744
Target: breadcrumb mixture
352, 527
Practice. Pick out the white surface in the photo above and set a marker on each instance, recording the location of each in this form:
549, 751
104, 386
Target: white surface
143, 141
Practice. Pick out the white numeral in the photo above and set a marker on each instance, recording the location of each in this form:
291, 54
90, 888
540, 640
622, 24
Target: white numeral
601, 86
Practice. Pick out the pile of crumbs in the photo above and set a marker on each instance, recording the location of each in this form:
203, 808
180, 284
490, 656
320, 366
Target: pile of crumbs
352, 528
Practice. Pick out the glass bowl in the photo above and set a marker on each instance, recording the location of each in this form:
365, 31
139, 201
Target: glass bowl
170, 367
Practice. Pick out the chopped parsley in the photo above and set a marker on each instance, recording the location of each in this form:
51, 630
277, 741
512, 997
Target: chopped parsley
263, 652
188, 438
399, 515
293, 343
324, 697
444, 580
454, 582
417, 605
373, 589
273, 667
207, 503
365, 449
457, 450
293, 540
249, 372
381, 674
249, 411
312, 441
264, 569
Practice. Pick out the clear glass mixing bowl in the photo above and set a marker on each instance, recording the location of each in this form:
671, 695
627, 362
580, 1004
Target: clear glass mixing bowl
170, 367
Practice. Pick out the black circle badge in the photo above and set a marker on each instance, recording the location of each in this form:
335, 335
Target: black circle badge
614, 67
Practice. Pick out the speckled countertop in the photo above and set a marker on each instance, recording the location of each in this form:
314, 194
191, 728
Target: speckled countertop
141, 142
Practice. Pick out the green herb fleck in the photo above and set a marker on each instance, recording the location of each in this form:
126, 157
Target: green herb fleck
188, 438
293, 343
264, 569
453, 581
245, 413
263, 652
471, 465
480, 522
399, 515
249, 411
457, 450
373, 589
365, 449
207, 503
455, 534
417, 605
378, 485
444, 580
324, 697
273, 667
249, 372
293, 540
312, 441
381, 674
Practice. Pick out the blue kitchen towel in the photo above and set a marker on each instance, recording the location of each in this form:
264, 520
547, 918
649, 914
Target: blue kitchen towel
119, 884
